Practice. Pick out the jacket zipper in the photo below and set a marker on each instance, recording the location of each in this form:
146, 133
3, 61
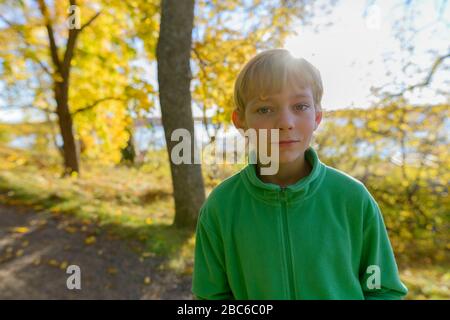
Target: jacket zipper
286, 241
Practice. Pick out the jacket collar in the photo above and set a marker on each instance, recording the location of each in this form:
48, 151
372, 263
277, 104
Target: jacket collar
301, 190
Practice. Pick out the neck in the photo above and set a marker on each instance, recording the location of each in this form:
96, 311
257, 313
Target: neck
288, 173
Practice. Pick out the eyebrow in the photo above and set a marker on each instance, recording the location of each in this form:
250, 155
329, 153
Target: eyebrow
301, 95
298, 95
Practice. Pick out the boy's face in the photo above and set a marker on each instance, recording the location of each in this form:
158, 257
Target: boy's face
291, 111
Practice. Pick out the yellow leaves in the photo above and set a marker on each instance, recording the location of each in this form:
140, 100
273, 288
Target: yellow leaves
53, 263
74, 174
148, 254
404, 126
405, 213
405, 234
20, 230
147, 280
149, 221
55, 211
90, 240
117, 212
188, 270
71, 229
86, 222
112, 270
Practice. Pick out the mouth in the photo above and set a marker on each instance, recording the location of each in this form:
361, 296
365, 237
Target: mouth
288, 142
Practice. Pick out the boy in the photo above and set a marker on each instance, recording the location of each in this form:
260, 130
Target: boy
308, 231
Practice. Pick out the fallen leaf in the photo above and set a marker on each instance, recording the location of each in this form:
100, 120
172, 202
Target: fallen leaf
89, 240
147, 254
53, 263
147, 280
20, 230
70, 229
64, 265
19, 253
112, 270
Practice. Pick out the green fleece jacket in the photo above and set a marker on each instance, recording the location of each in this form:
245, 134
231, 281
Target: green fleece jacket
320, 238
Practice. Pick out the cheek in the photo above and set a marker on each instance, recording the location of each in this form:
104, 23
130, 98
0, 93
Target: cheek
258, 122
306, 124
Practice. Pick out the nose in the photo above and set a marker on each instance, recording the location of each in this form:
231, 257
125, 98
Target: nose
285, 119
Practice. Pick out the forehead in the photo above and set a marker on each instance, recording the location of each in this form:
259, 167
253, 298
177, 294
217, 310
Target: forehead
278, 82
290, 92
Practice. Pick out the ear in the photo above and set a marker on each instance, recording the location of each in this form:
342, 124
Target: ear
318, 119
237, 119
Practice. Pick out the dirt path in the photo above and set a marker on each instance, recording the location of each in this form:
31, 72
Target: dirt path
36, 248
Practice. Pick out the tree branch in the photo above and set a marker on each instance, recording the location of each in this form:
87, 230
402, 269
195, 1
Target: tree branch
95, 103
51, 35
427, 80
90, 20
71, 41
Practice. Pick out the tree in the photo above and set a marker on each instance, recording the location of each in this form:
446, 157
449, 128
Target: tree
400, 152
410, 30
226, 34
84, 77
61, 80
174, 78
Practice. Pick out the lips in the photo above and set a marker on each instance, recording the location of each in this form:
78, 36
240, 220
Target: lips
287, 141
283, 143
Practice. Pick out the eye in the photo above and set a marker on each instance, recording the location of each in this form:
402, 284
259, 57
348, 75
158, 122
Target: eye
263, 110
301, 107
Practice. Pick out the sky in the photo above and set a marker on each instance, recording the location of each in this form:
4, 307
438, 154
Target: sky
349, 54
350, 51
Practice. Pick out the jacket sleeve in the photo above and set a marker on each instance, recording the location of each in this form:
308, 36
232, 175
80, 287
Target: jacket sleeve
209, 279
379, 275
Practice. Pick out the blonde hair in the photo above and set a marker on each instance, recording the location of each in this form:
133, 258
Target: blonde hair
270, 71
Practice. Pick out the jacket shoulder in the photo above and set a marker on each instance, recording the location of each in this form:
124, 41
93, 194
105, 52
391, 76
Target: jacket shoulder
222, 198
347, 184
226, 188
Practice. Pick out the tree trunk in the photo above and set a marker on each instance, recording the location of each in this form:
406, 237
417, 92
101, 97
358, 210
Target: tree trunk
174, 77
61, 77
129, 151
70, 151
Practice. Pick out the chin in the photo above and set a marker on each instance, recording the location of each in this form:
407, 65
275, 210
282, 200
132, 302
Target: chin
290, 156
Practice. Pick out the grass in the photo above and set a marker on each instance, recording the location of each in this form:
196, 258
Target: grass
135, 204
129, 202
